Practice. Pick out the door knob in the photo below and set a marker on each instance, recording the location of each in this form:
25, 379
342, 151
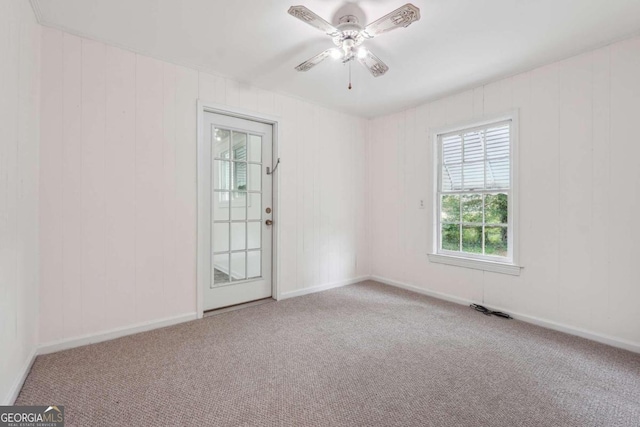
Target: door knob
268, 222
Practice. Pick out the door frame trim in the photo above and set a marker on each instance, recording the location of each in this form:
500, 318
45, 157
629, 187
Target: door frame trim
204, 106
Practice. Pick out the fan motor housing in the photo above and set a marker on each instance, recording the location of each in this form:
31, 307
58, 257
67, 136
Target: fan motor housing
350, 29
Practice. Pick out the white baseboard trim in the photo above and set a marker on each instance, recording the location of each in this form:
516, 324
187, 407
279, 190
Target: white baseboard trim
320, 288
113, 334
579, 332
549, 324
14, 391
422, 291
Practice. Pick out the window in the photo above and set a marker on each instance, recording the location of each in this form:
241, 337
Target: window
233, 174
240, 170
474, 197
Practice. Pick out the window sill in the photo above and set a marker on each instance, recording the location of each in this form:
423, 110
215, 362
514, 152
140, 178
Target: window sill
495, 267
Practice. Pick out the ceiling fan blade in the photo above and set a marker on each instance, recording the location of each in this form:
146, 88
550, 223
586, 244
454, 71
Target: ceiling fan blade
401, 17
309, 64
374, 64
305, 15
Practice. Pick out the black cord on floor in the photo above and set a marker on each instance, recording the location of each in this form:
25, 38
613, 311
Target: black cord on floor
484, 310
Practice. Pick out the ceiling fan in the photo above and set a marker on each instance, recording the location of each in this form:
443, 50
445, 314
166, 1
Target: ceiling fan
349, 35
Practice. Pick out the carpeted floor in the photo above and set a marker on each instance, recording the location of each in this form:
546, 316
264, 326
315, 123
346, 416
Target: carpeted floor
364, 355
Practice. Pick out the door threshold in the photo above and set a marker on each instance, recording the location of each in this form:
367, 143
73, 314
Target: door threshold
237, 307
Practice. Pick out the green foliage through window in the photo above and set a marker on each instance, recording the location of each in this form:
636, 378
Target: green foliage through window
494, 208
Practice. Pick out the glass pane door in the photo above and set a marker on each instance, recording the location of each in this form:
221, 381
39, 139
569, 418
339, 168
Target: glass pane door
235, 214
236, 206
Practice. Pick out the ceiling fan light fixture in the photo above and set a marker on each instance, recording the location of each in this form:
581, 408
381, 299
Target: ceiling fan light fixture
348, 35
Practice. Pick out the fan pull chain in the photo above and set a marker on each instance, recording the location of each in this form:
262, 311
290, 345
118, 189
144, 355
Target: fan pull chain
350, 75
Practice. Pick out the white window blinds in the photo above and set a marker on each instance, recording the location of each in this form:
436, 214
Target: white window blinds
476, 160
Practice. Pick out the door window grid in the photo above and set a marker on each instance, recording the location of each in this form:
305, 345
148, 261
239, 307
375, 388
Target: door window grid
234, 173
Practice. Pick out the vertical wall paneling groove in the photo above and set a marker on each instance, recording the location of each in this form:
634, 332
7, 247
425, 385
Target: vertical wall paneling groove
184, 291
331, 206
601, 170
575, 178
323, 232
422, 157
413, 191
306, 278
288, 194
149, 189
120, 190
51, 291
169, 187
71, 197
317, 196
401, 188
93, 231
300, 184
360, 220
543, 267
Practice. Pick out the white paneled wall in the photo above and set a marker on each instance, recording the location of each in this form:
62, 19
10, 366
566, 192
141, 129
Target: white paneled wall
118, 172
19, 99
117, 190
579, 193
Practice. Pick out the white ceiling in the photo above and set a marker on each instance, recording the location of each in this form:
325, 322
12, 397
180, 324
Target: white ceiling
457, 44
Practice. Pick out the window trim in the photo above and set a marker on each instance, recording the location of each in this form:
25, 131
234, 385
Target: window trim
480, 262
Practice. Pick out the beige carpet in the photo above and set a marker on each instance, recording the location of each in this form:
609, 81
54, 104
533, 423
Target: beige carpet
362, 355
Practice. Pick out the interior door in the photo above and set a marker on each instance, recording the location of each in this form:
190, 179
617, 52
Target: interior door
238, 211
